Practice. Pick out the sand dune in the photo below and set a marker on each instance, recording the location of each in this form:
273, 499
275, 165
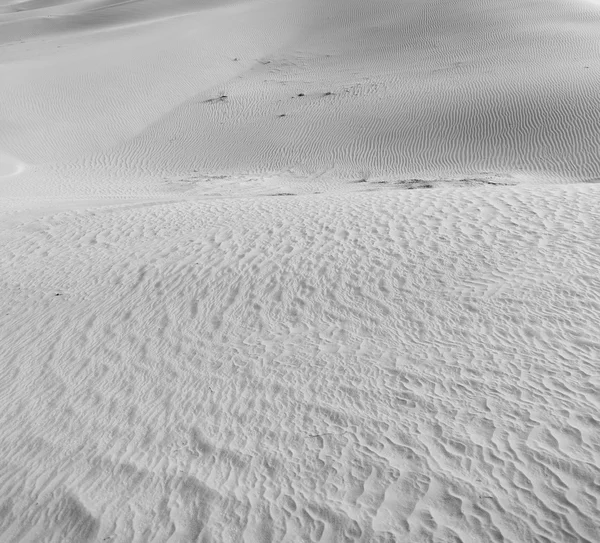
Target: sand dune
389, 366
428, 90
227, 316
390, 90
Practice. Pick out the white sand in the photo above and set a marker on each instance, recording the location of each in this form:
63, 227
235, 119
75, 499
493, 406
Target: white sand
210, 330
421, 89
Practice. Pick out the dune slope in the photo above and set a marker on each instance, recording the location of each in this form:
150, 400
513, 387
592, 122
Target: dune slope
389, 366
344, 89
224, 319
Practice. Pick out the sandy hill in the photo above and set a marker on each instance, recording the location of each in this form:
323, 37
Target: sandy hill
225, 317
344, 89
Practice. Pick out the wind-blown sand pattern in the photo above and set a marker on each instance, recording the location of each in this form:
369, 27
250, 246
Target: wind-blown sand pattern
366, 367
391, 89
224, 315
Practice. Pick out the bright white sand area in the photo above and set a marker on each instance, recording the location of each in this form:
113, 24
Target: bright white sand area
224, 316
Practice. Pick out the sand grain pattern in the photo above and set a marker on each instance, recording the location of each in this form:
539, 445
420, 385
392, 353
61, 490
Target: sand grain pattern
224, 316
393, 366
390, 89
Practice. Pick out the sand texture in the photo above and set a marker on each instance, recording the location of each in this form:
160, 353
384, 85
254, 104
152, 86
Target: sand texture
299, 271
393, 366
106, 90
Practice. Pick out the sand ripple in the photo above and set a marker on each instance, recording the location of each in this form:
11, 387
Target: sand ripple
394, 366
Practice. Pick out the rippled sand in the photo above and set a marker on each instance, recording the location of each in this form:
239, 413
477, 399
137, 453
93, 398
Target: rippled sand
299, 271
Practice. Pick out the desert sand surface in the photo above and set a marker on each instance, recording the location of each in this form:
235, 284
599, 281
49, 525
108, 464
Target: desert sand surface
296, 270
123, 93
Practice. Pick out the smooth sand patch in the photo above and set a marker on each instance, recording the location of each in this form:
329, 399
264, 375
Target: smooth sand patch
10, 166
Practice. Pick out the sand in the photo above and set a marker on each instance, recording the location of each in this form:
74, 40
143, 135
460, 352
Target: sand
101, 90
293, 270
